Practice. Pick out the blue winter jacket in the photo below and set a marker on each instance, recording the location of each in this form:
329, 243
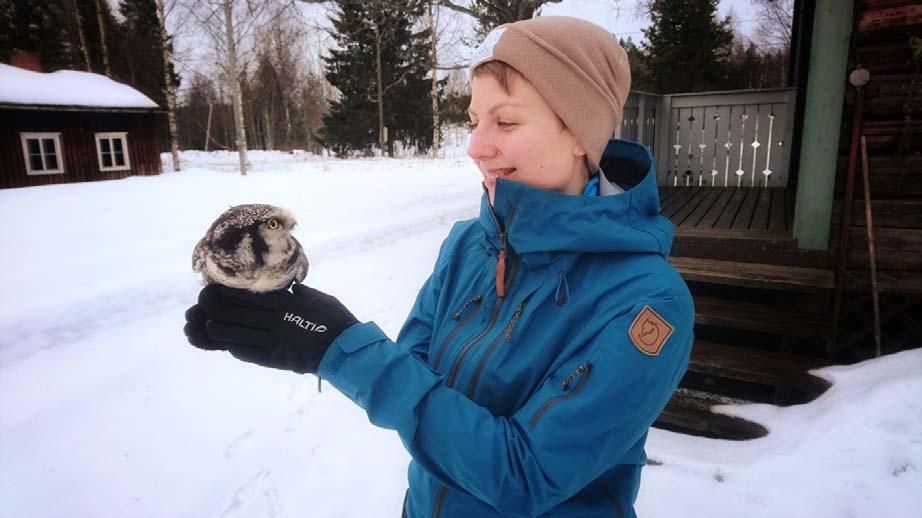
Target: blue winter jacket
536, 402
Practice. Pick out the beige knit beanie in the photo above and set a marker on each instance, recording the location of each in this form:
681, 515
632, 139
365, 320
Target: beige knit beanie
579, 69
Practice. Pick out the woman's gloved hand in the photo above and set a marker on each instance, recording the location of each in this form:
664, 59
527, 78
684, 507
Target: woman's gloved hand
279, 329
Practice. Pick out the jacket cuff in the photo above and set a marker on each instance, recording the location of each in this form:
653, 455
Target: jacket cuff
354, 338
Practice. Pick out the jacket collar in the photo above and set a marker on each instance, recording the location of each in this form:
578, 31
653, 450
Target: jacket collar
540, 225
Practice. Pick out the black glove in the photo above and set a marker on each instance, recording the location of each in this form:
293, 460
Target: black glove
279, 329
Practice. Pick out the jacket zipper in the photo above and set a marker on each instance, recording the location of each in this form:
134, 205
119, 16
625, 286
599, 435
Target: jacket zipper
610, 495
486, 356
579, 377
501, 287
456, 366
476, 300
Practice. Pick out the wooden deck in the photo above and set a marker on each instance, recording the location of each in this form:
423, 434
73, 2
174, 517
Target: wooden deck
766, 212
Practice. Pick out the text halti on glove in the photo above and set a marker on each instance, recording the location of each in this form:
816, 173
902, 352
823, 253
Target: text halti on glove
304, 324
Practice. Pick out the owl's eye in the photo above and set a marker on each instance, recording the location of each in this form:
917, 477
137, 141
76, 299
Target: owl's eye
273, 224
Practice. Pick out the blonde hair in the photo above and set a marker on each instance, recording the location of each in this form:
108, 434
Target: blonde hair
504, 74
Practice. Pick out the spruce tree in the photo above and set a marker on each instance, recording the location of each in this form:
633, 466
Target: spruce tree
46, 28
362, 29
141, 62
687, 46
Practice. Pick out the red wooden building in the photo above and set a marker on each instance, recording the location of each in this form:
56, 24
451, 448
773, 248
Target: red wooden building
70, 126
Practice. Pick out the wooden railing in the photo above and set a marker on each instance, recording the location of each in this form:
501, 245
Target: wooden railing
737, 138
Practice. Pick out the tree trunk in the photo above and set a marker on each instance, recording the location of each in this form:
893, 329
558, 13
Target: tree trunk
102, 40
235, 87
208, 127
270, 136
435, 90
81, 36
168, 91
382, 141
287, 124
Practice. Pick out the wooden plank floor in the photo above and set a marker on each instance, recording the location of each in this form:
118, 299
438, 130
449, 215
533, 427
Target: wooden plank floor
766, 210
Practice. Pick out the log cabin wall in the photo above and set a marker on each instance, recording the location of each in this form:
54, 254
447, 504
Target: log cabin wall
892, 123
885, 36
78, 143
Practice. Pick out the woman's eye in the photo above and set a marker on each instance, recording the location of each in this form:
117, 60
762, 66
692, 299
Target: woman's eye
474, 125
505, 124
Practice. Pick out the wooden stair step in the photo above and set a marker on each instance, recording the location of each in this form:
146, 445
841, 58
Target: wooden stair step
745, 246
760, 317
689, 412
888, 281
754, 275
751, 365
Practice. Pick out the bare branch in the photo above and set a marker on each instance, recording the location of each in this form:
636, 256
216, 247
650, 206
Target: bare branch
459, 8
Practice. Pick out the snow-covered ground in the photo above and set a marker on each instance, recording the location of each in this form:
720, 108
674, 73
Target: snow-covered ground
106, 411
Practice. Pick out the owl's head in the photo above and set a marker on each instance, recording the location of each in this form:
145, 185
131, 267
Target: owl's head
260, 230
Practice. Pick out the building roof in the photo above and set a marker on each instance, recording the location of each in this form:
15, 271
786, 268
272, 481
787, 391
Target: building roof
68, 89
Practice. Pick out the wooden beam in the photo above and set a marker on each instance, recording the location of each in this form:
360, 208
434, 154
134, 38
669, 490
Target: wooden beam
754, 275
900, 17
763, 367
762, 318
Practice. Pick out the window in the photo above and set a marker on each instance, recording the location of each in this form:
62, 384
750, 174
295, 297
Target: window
112, 149
42, 153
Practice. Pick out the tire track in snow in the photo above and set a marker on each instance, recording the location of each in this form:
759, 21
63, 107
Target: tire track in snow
25, 335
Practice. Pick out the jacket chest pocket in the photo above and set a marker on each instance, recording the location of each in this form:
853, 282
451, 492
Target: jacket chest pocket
461, 320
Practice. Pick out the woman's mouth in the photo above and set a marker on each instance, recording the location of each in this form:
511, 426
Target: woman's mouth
499, 173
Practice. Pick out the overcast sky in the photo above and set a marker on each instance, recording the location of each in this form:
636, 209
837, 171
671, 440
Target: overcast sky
623, 19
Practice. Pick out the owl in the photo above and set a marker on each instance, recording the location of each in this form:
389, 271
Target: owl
251, 247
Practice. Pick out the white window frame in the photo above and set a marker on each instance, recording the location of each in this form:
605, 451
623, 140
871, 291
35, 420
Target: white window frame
59, 152
123, 136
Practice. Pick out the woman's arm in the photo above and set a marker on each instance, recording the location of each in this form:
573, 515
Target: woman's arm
579, 423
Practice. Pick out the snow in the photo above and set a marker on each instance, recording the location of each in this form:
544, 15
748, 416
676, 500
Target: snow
67, 88
105, 410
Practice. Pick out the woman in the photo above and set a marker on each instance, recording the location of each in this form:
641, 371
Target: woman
552, 331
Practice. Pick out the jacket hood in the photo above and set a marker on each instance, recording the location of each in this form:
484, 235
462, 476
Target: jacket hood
540, 224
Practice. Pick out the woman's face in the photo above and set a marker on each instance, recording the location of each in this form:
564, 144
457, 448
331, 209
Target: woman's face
518, 137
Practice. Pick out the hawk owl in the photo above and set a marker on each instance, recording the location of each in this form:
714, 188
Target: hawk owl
251, 247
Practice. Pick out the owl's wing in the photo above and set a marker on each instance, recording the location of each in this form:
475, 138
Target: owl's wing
303, 265
198, 256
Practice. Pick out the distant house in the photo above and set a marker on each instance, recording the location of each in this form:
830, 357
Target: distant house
69, 126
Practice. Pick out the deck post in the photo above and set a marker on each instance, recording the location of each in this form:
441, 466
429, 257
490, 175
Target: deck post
826, 80
661, 142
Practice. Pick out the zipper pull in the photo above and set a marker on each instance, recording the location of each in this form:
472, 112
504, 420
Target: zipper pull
476, 299
575, 375
515, 318
501, 273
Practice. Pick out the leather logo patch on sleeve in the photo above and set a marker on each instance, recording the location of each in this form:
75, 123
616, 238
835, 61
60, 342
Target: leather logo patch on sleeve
649, 331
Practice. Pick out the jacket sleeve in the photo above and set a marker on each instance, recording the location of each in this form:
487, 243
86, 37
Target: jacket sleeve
580, 422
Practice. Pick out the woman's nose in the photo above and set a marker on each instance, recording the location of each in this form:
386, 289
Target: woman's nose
480, 145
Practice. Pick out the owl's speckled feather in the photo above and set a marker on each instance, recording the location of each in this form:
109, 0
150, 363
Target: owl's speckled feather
242, 250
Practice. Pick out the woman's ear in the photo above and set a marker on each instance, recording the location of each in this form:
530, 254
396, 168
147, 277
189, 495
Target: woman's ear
579, 150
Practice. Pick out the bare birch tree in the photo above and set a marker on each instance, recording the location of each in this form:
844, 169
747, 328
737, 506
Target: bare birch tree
235, 86
436, 125
776, 20
100, 20
168, 91
232, 26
